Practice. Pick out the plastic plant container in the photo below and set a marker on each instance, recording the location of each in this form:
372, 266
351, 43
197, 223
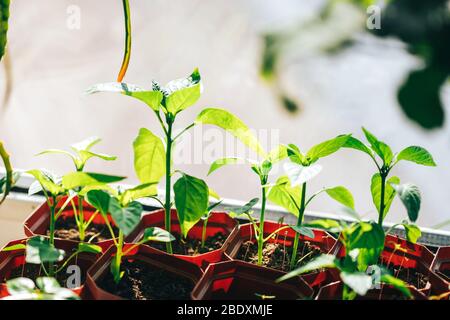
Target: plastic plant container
143, 253
10, 260
236, 280
218, 222
441, 263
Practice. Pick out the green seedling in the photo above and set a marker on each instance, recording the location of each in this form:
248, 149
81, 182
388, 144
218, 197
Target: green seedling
6, 182
80, 154
46, 288
205, 219
384, 188
126, 213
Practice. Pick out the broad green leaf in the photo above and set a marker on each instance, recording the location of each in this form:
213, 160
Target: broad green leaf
15, 247
389, 194
299, 174
417, 155
380, 148
86, 155
411, 198
359, 282
40, 250
149, 156
183, 98
295, 155
325, 224
286, 196
99, 200
365, 235
304, 231
82, 179
46, 182
353, 143
191, 201
86, 144
235, 212
342, 195
219, 163
396, 283
126, 218
278, 154
322, 261
20, 286
326, 148
138, 192
233, 125
412, 231
104, 187
158, 235
89, 247
151, 98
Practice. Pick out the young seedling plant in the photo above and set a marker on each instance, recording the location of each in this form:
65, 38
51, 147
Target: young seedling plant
153, 158
356, 237
46, 288
290, 191
81, 153
384, 188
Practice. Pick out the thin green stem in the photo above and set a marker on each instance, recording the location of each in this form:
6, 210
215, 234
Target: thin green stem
81, 218
299, 223
205, 224
115, 267
261, 222
127, 51
167, 205
184, 130
52, 232
382, 195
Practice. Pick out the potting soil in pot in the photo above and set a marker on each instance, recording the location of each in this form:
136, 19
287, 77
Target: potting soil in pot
145, 282
66, 228
410, 276
192, 246
277, 255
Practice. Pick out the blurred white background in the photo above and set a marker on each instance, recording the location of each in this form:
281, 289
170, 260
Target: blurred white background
52, 66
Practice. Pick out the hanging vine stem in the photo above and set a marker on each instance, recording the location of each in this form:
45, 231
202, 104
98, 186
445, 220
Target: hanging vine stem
9, 172
127, 52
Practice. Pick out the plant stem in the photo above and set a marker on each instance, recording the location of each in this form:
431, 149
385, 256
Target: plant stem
117, 259
299, 223
81, 218
382, 204
127, 51
167, 205
205, 224
52, 231
261, 224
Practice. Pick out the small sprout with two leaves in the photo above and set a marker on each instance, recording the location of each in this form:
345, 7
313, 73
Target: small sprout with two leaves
46, 288
362, 242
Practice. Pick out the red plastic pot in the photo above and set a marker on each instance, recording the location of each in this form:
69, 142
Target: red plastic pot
218, 222
333, 291
39, 220
236, 280
10, 260
142, 253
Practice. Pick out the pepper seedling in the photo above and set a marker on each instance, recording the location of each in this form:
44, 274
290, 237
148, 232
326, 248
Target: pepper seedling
290, 191
81, 153
46, 288
383, 188
357, 237
207, 215
126, 213
153, 159
6, 182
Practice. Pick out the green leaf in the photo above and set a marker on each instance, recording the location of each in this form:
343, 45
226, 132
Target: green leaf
353, 143
191, 201
46, 182
149, 156
303, 231
183, 93
326, 148
138, 192
157, 234
4, 16
359, 282
295, 155
322, 261
235, 212
126, 218
219, 163
413, 232
380, 148
15, 247
278, 154
99, 200
366, 235
299, 174
233, 125
286, 196
86, 155
40, 250
389, 194
151, 98
57, 151
20, 286
342, 195
417, 155
396, 283
82, 179
86, 144
325, 224
213, 194
89, 247
411, 198
48, 284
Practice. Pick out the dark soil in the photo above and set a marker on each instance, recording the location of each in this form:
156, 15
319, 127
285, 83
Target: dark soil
191, 246
276, 255
410, 276
66, 228
445, 274
144, 282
